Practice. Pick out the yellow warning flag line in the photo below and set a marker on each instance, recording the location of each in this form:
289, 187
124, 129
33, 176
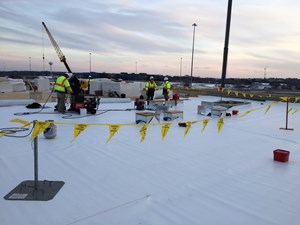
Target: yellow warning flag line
79, 128
26, 123
251, 95
205, 121
134, 125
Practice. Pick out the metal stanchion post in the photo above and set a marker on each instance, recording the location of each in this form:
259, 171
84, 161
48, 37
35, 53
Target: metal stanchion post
35, 153
287, 116
35, 190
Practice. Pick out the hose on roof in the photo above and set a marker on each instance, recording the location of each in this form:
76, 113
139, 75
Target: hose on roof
9, 131
43, 107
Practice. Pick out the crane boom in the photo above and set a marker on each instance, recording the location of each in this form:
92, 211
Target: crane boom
57, 49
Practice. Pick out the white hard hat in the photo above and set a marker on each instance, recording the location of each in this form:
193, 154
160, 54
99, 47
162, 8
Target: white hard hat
151, 78
69, 74
165, 78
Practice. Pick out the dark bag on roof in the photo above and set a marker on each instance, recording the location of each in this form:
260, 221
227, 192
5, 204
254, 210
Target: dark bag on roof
34, 105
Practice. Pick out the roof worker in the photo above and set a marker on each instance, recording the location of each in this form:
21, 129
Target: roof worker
89, 84
150, 89
166, 88
62, 87
85, 85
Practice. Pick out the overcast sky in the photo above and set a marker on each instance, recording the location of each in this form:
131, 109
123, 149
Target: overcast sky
152, 37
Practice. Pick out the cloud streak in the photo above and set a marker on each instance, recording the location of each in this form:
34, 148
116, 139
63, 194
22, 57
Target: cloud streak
153, 34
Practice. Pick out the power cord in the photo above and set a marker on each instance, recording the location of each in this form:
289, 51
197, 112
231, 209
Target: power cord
13, 130
42, 108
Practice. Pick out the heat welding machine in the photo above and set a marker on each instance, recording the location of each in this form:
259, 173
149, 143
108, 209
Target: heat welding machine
90, 102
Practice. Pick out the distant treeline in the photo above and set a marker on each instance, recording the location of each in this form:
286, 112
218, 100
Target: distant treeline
276, 83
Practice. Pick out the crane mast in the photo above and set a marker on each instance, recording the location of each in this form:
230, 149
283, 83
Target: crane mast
57, 49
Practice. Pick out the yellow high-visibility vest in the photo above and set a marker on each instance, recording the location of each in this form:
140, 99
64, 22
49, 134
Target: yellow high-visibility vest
150, 85
167, 85
62, 85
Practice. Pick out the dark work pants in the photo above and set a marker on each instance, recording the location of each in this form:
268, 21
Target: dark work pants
61, 100
150, 95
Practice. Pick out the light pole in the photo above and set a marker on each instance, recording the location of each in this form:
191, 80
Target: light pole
50, 64
192, 64
90, 63
135, 67
180, 71
30, 65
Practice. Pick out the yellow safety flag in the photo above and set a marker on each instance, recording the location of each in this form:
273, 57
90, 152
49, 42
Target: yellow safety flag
228, 91
78, 129
251, 95
24, 122
269, 106
295, 110
297, 99
205, 122
39, 127
285, 98
236, 93
290, 110
187, 128
245, 113
164, 129
244, 94
113, 129
220, 124
143, 131
2, 134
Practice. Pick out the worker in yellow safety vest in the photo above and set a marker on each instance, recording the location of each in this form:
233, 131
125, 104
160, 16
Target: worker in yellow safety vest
150, 89
166, 88
89, 84
62, 87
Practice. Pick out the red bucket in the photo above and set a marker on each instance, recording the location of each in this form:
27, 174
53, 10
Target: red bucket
281, 155
235, 112
176, 96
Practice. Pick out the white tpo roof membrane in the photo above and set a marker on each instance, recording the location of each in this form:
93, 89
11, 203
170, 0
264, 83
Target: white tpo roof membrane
207, 177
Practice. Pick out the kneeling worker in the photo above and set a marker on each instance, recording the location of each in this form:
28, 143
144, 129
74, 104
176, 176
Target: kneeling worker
62, 87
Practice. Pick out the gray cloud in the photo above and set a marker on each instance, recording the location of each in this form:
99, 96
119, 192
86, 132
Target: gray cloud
261, 31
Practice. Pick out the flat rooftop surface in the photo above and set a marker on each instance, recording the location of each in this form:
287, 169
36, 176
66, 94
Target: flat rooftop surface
208, 176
